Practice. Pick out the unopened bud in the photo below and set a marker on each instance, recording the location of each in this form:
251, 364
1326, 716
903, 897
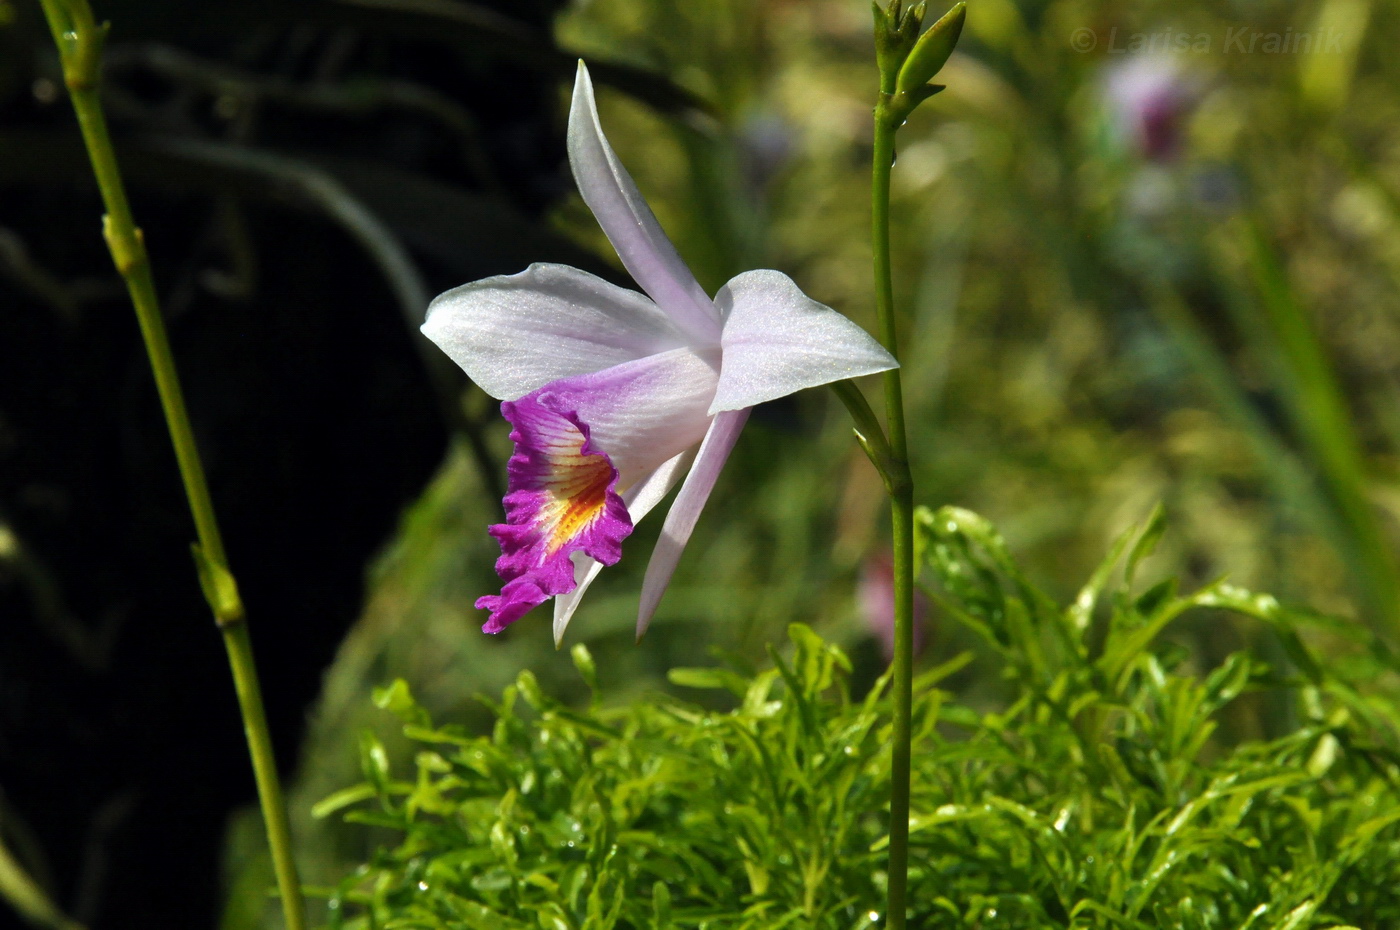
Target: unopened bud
931, 52
896, 31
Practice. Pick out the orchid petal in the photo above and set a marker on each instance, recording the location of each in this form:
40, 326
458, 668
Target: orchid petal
514, 333
685, 511
642, 413
776, 340
640, 499
630, 225
585, 570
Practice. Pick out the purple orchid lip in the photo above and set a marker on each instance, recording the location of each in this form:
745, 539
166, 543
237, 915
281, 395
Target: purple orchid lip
562, 499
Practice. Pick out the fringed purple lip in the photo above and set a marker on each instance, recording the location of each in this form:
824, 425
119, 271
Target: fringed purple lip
561, 499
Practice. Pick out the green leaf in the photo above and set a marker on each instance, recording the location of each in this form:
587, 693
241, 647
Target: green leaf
1146, 544
529, 688
374, 762
1081, 612
342, 799
661, 906
708, 679
398, 699
587, 669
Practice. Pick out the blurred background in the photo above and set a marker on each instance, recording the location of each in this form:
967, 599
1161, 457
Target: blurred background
1144, 251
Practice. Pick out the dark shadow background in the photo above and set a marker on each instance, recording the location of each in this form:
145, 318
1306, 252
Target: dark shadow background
306, 175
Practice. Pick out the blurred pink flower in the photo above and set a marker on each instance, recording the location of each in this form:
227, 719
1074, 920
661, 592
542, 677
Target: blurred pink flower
875, 594
1150, 96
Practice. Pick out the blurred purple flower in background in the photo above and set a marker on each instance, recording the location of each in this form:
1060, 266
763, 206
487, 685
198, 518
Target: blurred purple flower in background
1149, 98
766, 145
875, 595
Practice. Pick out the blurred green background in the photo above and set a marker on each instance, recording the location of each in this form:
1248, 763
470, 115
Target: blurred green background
1143, 251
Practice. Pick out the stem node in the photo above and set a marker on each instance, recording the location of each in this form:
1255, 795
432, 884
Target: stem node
127, 245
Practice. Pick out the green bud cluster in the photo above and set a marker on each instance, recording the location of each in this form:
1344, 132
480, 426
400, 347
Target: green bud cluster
896, 33
909, 61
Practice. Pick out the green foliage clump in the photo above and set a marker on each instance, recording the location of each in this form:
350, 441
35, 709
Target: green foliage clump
1097, 789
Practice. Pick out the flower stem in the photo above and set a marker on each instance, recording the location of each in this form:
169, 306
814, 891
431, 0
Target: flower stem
900, 485
79, 39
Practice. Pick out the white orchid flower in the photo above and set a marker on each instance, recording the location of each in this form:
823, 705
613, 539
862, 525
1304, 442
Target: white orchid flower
615, 397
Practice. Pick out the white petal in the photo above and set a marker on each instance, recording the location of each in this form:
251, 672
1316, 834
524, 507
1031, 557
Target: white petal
585, 570
777, 340
641, 498
514, 333
642, 245
642, 413
680, 521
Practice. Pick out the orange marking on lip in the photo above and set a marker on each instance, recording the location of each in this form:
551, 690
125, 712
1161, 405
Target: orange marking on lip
578, 490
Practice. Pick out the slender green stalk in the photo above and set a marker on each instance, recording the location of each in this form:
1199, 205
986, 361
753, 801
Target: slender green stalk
1324, 420
79, 41
908, 60
901, 490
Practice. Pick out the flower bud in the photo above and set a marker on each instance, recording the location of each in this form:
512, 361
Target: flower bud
896, 33
931, 52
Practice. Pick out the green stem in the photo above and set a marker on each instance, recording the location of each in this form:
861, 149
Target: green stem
79, 41
900, 484
274, 810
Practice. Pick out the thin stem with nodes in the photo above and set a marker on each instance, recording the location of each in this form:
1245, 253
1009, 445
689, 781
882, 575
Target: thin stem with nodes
907, 62
79, 39
900, 485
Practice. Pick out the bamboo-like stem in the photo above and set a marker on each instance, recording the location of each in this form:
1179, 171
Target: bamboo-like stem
79, 39
900, 485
